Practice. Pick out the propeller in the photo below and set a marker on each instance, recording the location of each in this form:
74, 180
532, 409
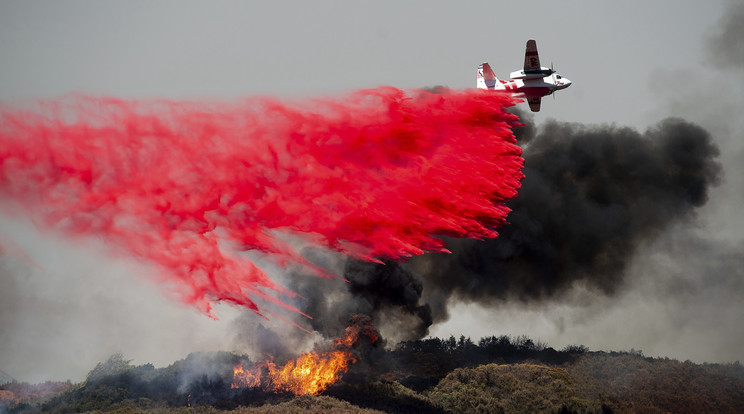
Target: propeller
552, 71
554, 79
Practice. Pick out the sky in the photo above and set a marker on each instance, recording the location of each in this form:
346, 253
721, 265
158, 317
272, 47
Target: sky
70, 305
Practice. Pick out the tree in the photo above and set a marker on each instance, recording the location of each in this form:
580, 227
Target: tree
116, 364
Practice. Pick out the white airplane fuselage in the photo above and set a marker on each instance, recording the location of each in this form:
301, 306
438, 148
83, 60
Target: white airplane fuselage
531, 87
532, 83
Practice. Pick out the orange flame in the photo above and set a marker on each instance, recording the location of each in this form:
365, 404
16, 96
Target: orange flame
245, 379
311, 372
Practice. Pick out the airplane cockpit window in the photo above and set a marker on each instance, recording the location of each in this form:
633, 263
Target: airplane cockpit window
558, 76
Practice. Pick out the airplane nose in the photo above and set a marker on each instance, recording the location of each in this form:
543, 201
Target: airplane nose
566, 83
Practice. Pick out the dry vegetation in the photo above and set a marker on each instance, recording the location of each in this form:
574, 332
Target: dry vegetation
497, 375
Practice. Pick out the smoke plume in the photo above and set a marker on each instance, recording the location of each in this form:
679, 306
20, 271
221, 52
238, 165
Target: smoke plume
188, 186
724, 44
590, 197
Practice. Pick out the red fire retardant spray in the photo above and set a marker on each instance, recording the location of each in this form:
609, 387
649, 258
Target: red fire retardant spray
187, 186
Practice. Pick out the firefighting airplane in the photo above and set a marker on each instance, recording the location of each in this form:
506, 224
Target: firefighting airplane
533, 82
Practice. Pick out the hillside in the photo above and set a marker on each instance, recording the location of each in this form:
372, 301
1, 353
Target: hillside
496, 375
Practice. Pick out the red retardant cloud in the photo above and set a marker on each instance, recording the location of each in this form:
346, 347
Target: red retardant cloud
187, 185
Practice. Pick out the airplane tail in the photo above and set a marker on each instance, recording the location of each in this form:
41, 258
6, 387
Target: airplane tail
486, 78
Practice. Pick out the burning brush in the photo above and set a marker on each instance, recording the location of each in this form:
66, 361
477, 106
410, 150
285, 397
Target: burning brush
311, 372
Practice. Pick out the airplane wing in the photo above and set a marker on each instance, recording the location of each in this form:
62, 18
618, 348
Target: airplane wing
531, 58
534, 103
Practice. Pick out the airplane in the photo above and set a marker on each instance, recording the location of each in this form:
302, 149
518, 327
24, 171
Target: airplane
533, 82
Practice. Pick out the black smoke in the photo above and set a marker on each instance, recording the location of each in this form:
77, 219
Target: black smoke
591, 196
393, 293
387, 292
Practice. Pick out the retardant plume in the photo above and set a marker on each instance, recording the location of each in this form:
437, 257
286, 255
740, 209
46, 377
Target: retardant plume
187, 186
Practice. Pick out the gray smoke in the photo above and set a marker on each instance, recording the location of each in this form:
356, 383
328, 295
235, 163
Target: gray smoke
725, 44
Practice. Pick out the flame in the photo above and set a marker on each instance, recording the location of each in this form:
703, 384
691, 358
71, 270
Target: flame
245, 379
312, 372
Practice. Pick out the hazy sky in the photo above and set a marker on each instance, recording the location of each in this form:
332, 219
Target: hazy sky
632, 64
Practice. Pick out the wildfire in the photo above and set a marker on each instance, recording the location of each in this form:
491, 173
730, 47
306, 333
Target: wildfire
246, 379
311, 372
